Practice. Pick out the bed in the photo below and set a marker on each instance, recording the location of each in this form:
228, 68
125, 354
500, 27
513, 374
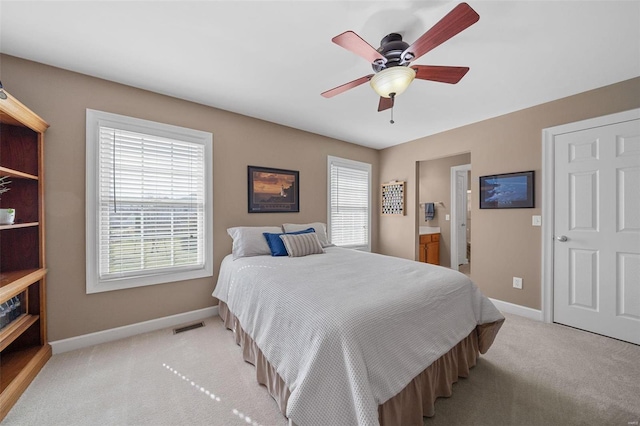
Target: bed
349, 337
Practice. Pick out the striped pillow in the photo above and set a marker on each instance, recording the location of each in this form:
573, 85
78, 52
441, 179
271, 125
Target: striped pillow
298, 245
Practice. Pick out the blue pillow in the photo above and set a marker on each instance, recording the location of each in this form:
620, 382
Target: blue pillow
277, 246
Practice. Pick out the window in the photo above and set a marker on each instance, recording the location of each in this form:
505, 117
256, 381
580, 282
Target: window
349, 203
148, 199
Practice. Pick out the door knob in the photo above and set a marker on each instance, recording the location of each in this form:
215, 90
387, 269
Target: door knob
562, 238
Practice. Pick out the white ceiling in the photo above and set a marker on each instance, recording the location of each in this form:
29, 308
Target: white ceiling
272, 59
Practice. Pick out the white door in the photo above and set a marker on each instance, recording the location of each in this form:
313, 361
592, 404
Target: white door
461, 215
596, 254
458, 224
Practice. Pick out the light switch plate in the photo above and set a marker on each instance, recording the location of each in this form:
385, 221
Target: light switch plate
447, 217
536, 220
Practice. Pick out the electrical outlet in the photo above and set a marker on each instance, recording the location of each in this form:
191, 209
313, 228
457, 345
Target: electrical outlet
536, 220
446, 217
517, 283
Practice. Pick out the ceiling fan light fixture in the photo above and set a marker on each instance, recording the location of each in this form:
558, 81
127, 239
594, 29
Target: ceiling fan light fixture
392, 80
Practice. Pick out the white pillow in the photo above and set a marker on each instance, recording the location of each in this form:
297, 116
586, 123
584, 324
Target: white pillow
299, 245
249, 241
319, 227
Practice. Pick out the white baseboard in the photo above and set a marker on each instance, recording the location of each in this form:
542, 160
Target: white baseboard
78, 342
512, 308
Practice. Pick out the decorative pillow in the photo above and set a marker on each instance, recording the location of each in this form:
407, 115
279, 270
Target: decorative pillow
320, 228
302, 244
275, 243
249, 241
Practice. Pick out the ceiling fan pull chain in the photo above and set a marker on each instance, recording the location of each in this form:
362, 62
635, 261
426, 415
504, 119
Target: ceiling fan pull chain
392, 102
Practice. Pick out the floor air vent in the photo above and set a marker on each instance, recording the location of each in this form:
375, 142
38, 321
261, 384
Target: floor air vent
188, 327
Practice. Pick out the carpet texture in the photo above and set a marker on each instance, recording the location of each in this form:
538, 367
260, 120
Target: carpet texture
534, 374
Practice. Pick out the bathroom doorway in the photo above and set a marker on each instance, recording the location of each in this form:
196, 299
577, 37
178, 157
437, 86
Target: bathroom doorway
434, 187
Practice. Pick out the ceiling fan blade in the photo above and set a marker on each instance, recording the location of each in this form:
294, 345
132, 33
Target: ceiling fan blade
450, 75
385, 103
354, 43
459, 19
343, 88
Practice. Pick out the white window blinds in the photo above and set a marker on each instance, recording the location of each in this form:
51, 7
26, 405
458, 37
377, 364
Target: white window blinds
349, 203
148, 208
151, 203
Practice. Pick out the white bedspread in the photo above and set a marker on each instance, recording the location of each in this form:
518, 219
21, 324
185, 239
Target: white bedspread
347, 330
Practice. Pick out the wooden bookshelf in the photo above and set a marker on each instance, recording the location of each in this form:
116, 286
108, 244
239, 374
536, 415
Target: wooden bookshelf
24, 348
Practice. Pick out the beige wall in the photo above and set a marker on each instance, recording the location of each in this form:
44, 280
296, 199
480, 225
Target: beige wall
435, 185
504, 244
61, 97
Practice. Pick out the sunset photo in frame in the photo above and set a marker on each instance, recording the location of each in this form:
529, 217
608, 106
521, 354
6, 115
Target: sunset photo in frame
507, 191
273, 190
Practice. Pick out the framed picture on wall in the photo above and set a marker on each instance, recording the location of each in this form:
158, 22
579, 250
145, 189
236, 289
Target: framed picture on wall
508, 191
273, 190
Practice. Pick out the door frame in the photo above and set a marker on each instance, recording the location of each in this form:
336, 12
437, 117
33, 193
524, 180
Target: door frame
453, 229
548, 188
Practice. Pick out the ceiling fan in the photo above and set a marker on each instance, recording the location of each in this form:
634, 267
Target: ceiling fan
391, 62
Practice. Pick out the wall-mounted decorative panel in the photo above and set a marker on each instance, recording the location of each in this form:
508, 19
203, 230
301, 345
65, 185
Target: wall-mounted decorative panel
393, 198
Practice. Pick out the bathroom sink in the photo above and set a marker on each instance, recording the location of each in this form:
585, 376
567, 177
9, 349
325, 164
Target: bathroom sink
429, 230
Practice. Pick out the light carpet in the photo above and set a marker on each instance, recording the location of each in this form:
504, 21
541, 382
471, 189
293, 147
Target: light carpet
534, 374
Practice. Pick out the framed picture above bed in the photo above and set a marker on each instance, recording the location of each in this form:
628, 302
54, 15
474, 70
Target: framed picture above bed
273, 190
508, 191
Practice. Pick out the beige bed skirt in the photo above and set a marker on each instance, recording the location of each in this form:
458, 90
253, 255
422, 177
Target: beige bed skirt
410, 404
